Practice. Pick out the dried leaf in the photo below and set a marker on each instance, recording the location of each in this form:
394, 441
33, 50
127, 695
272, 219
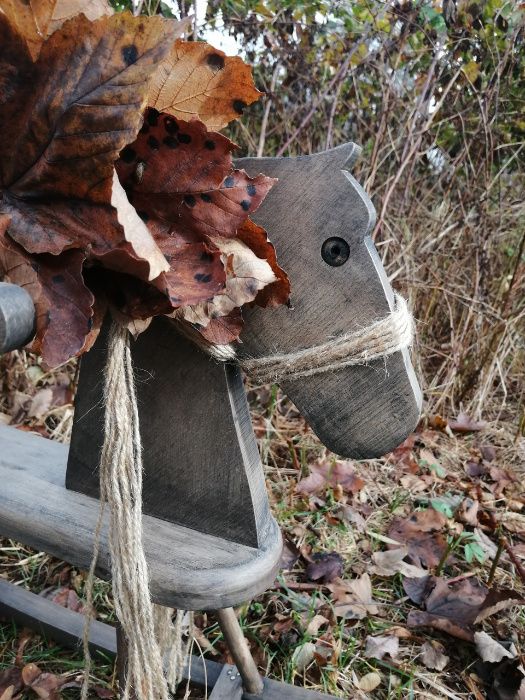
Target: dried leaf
62, 301
40, 403
451, 608
275, 293
10, 681
354, 598
433, 657
392, 562
378, 647
497, 600
315, 624
329, 474
513, 522
56, 166
465, 424
36, 21
489, 649
325, 567
421, 533
303, 656
198, 81
370, 681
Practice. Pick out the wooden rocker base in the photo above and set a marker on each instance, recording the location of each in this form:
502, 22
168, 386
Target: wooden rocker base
65, 626
189, 569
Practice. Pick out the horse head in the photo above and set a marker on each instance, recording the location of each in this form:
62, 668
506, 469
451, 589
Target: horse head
320, 220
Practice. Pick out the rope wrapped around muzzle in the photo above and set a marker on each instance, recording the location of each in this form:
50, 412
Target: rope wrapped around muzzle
359, 347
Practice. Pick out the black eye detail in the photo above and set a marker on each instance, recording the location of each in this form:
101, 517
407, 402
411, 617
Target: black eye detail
335, 251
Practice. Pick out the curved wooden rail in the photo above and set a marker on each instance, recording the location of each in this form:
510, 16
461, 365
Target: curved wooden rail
17, 317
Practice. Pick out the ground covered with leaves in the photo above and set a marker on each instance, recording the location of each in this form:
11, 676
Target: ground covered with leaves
401, 577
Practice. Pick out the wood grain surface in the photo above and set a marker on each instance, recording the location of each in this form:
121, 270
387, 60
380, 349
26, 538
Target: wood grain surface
201, 462
362, 411
188, 569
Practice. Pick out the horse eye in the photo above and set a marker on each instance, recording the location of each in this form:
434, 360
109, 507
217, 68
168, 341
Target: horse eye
335, 251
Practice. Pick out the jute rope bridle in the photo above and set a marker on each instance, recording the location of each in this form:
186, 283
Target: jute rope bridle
155, 653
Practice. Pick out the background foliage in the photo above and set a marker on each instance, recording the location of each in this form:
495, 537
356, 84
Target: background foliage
434, 92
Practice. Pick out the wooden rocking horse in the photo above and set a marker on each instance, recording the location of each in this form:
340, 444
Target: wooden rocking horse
210, 539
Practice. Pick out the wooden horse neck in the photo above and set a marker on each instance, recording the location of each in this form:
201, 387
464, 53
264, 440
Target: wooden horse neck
201, 463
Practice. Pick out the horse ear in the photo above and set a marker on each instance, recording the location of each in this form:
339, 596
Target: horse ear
345, 155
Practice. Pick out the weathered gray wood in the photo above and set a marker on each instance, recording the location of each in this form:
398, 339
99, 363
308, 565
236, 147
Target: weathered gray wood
17, 317
51, 620
201, 462
228, 685
357, 411
238, 646
40, 614
189, 569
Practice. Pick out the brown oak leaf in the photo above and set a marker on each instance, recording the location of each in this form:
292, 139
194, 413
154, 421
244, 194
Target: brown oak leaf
197, 80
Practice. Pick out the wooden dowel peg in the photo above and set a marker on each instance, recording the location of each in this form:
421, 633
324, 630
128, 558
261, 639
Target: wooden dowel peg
238, 646
17, 317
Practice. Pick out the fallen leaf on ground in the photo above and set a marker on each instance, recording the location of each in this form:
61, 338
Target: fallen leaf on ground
330, 474
368, 682
353, 598
421, 533
433, 656
377, 647
315, 624
325, 567
451, 608
303, 656
513, 522
10, 678
392, 562
465, 424
489, 649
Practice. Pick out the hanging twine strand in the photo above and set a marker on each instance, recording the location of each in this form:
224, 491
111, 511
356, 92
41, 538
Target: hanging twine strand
121, 489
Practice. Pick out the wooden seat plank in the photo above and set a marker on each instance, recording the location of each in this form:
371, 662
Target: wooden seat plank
188, 569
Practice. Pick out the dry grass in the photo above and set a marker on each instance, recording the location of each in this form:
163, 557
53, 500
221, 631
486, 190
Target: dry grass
277, 623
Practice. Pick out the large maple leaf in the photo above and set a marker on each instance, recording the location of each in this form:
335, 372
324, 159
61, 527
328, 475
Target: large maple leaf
65, 119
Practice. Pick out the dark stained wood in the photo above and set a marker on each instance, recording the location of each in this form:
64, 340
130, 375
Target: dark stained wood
65, 626
357, 411
17, 317
201, 462
188, 569
51, 620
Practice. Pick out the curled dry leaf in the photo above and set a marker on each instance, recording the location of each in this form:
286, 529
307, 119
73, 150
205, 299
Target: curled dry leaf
369, 682
353, 598
303, 656
330, 474
489, 649
421, 533
198, 81
433, 656
393, 562
378, 647
180, 178
325, 567
465, 424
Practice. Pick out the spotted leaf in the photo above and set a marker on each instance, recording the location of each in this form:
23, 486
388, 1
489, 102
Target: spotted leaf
198, 81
